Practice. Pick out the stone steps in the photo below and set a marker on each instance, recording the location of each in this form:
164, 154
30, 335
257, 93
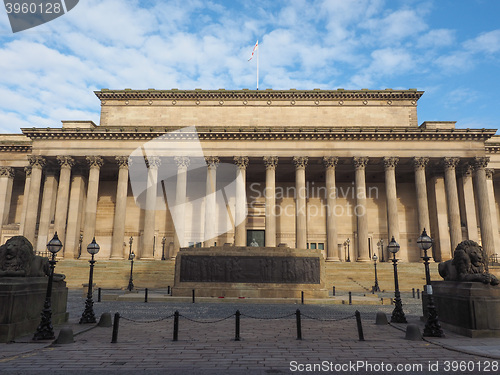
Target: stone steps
356, 277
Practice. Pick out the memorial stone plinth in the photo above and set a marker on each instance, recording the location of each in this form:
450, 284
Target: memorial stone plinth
253, 272
21, 302
469, 308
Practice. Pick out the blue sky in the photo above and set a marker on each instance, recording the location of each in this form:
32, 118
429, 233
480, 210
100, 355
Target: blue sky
448, 48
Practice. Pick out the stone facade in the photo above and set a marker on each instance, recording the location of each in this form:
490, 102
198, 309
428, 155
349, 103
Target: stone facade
316, 167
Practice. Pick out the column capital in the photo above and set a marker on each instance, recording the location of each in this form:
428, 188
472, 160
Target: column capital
124, 162
37, 161
330, 161
66, 161
390, 162
450, 163
7, 172
182, 161
212, 161
420, 162
241, 162
489, 173
27, 171
480, 162
467, 170
300, 162
271, 162
94, 161
360, 162
152, 161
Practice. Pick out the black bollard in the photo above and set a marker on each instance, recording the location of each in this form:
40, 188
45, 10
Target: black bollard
350, 298
116, 324
168, 290
237, 329
413, 292
360, 327
193, 295
418, 293
299, 325
146, 295
302, 297
99, 295
176, 325
333, 291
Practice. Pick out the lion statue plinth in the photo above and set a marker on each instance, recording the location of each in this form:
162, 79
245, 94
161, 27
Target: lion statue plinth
17, 259
469, 263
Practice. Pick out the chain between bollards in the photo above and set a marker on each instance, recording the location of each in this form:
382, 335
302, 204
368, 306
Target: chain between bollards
176, 325
360, 327
299, 325
116, 324
237, 328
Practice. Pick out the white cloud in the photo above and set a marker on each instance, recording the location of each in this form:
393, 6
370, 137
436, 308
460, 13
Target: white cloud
487, 42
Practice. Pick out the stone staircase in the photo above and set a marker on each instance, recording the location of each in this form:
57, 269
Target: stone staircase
355, 277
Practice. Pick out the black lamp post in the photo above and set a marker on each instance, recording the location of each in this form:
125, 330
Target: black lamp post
347, 242
130, 241
88, 314
163, 240
398, 316
45, 330
130, 283
375, 288
432, 326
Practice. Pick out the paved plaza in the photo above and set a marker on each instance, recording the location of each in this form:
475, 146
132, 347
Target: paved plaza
268, 342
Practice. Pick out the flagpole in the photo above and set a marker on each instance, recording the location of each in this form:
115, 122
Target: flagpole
257, 65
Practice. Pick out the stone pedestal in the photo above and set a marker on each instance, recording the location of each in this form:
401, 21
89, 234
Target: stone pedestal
254, 272
469, 308
21, 303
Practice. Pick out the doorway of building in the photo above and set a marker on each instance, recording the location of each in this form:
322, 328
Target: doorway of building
258, 235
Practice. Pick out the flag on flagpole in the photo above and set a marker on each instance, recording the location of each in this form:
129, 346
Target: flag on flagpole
255, 48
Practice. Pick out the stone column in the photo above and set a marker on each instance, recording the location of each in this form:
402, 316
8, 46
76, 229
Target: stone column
27, 182
493, 208
392, 204
75, 215
95, 164
210, 201
62, 201
49, 189
469, 204
37, 163
419, 165
450, 180
183, 163
332, 254
152, 162
485, 222
360, 209
6, 182
117, 249
240, 235
271, 162
300, 203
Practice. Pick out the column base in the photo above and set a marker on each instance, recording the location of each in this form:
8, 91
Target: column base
363, 260
116, 257
332, 259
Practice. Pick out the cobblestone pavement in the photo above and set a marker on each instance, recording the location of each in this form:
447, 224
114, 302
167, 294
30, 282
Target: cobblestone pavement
267, 346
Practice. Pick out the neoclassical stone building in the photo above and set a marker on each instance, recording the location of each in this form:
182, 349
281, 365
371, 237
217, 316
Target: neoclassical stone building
337, 170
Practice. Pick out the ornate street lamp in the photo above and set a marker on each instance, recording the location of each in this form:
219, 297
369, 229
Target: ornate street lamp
130, 241
347, 242
45, 330
432, 326
163, 240
88, 315
398, 316
375, 288
130, 283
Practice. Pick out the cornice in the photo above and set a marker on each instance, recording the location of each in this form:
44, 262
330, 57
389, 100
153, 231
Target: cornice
388, 94
16, 147
263, 133
492, 148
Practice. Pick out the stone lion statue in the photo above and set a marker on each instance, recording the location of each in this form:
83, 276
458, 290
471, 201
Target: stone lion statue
17, 259
469, 263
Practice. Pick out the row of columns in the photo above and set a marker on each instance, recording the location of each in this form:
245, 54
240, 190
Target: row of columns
72, 198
